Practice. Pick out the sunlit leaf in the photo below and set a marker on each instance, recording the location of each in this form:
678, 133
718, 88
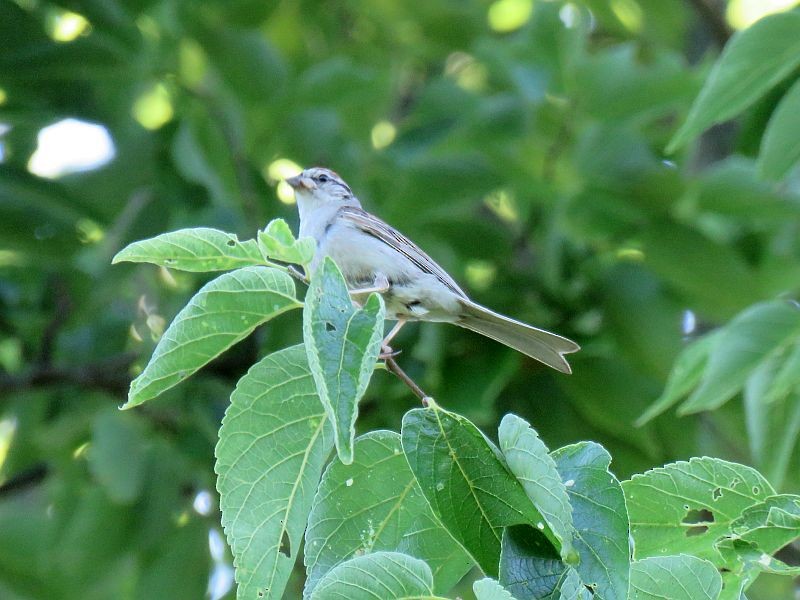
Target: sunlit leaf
200, 249
223, 312
489, 589
273, 444
342, 344
279, 243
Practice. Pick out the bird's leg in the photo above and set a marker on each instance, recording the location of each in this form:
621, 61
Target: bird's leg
380, 285
386, 349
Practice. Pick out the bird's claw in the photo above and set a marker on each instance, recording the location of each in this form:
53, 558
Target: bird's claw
387, 353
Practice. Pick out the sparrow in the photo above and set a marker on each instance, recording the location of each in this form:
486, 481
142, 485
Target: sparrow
375, 257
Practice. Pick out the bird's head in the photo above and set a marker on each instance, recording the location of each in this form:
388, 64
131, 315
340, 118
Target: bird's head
319, 186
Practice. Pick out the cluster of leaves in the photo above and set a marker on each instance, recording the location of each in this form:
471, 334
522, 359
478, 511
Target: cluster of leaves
529, 160
407, 515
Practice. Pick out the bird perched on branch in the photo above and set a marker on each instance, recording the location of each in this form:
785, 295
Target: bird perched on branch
375, 257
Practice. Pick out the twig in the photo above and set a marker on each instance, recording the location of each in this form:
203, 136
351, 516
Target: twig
391, 365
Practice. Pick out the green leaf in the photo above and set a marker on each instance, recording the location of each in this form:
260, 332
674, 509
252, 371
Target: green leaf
465, 482
753, 61
600, 518
787, 377
198, 250
225, 311
278, 243
342, 344
780, 146
572, 587
530, 462
680, 577
376, 504
770, 524
273, 444
489, 589
118, 456
685, 375
529, 566
684, 506
751, 338
744, 562
380, 575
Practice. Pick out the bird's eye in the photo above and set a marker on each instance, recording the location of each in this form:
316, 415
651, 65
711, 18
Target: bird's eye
323, 178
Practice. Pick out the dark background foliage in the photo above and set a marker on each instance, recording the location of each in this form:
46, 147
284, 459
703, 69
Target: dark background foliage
520, 143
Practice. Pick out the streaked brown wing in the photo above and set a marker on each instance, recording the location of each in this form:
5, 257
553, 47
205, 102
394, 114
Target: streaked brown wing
373, 226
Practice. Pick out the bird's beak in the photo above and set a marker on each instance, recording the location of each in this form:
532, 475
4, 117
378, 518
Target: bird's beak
298, 182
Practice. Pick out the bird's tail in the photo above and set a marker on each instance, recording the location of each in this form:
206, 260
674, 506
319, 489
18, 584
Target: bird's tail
539, 344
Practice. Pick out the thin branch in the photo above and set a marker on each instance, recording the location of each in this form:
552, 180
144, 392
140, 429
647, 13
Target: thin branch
391, 365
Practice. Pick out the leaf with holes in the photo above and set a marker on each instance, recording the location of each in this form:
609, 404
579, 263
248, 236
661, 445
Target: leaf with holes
530, 462
780, 146
602, 536
225, 311
384, 575
274, 441
769, 525
342, 344
489, 589
754, 60
752, 337
680, 577
466, 483
376, 504
278, 243
684, 507
199, 250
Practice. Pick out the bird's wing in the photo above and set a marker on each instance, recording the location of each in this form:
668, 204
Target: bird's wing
372, 225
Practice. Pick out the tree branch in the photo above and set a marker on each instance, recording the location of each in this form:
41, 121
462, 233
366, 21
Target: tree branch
393, 367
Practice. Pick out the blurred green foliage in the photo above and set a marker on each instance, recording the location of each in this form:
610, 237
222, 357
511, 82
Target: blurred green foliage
520, 143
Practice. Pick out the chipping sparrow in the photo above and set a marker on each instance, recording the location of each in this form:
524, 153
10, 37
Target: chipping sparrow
374, 257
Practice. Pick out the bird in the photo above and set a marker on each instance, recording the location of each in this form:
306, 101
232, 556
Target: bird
374, 257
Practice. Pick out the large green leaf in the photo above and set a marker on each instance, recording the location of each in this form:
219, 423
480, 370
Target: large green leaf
274, 441
200, 249
684, 376
681, 577
376, 504
684, 507
786, 378
754, 60
529, 460
600, 517
770, 524
780, 146
747, 341
377, 576
342, 344
223, 312
465, 481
